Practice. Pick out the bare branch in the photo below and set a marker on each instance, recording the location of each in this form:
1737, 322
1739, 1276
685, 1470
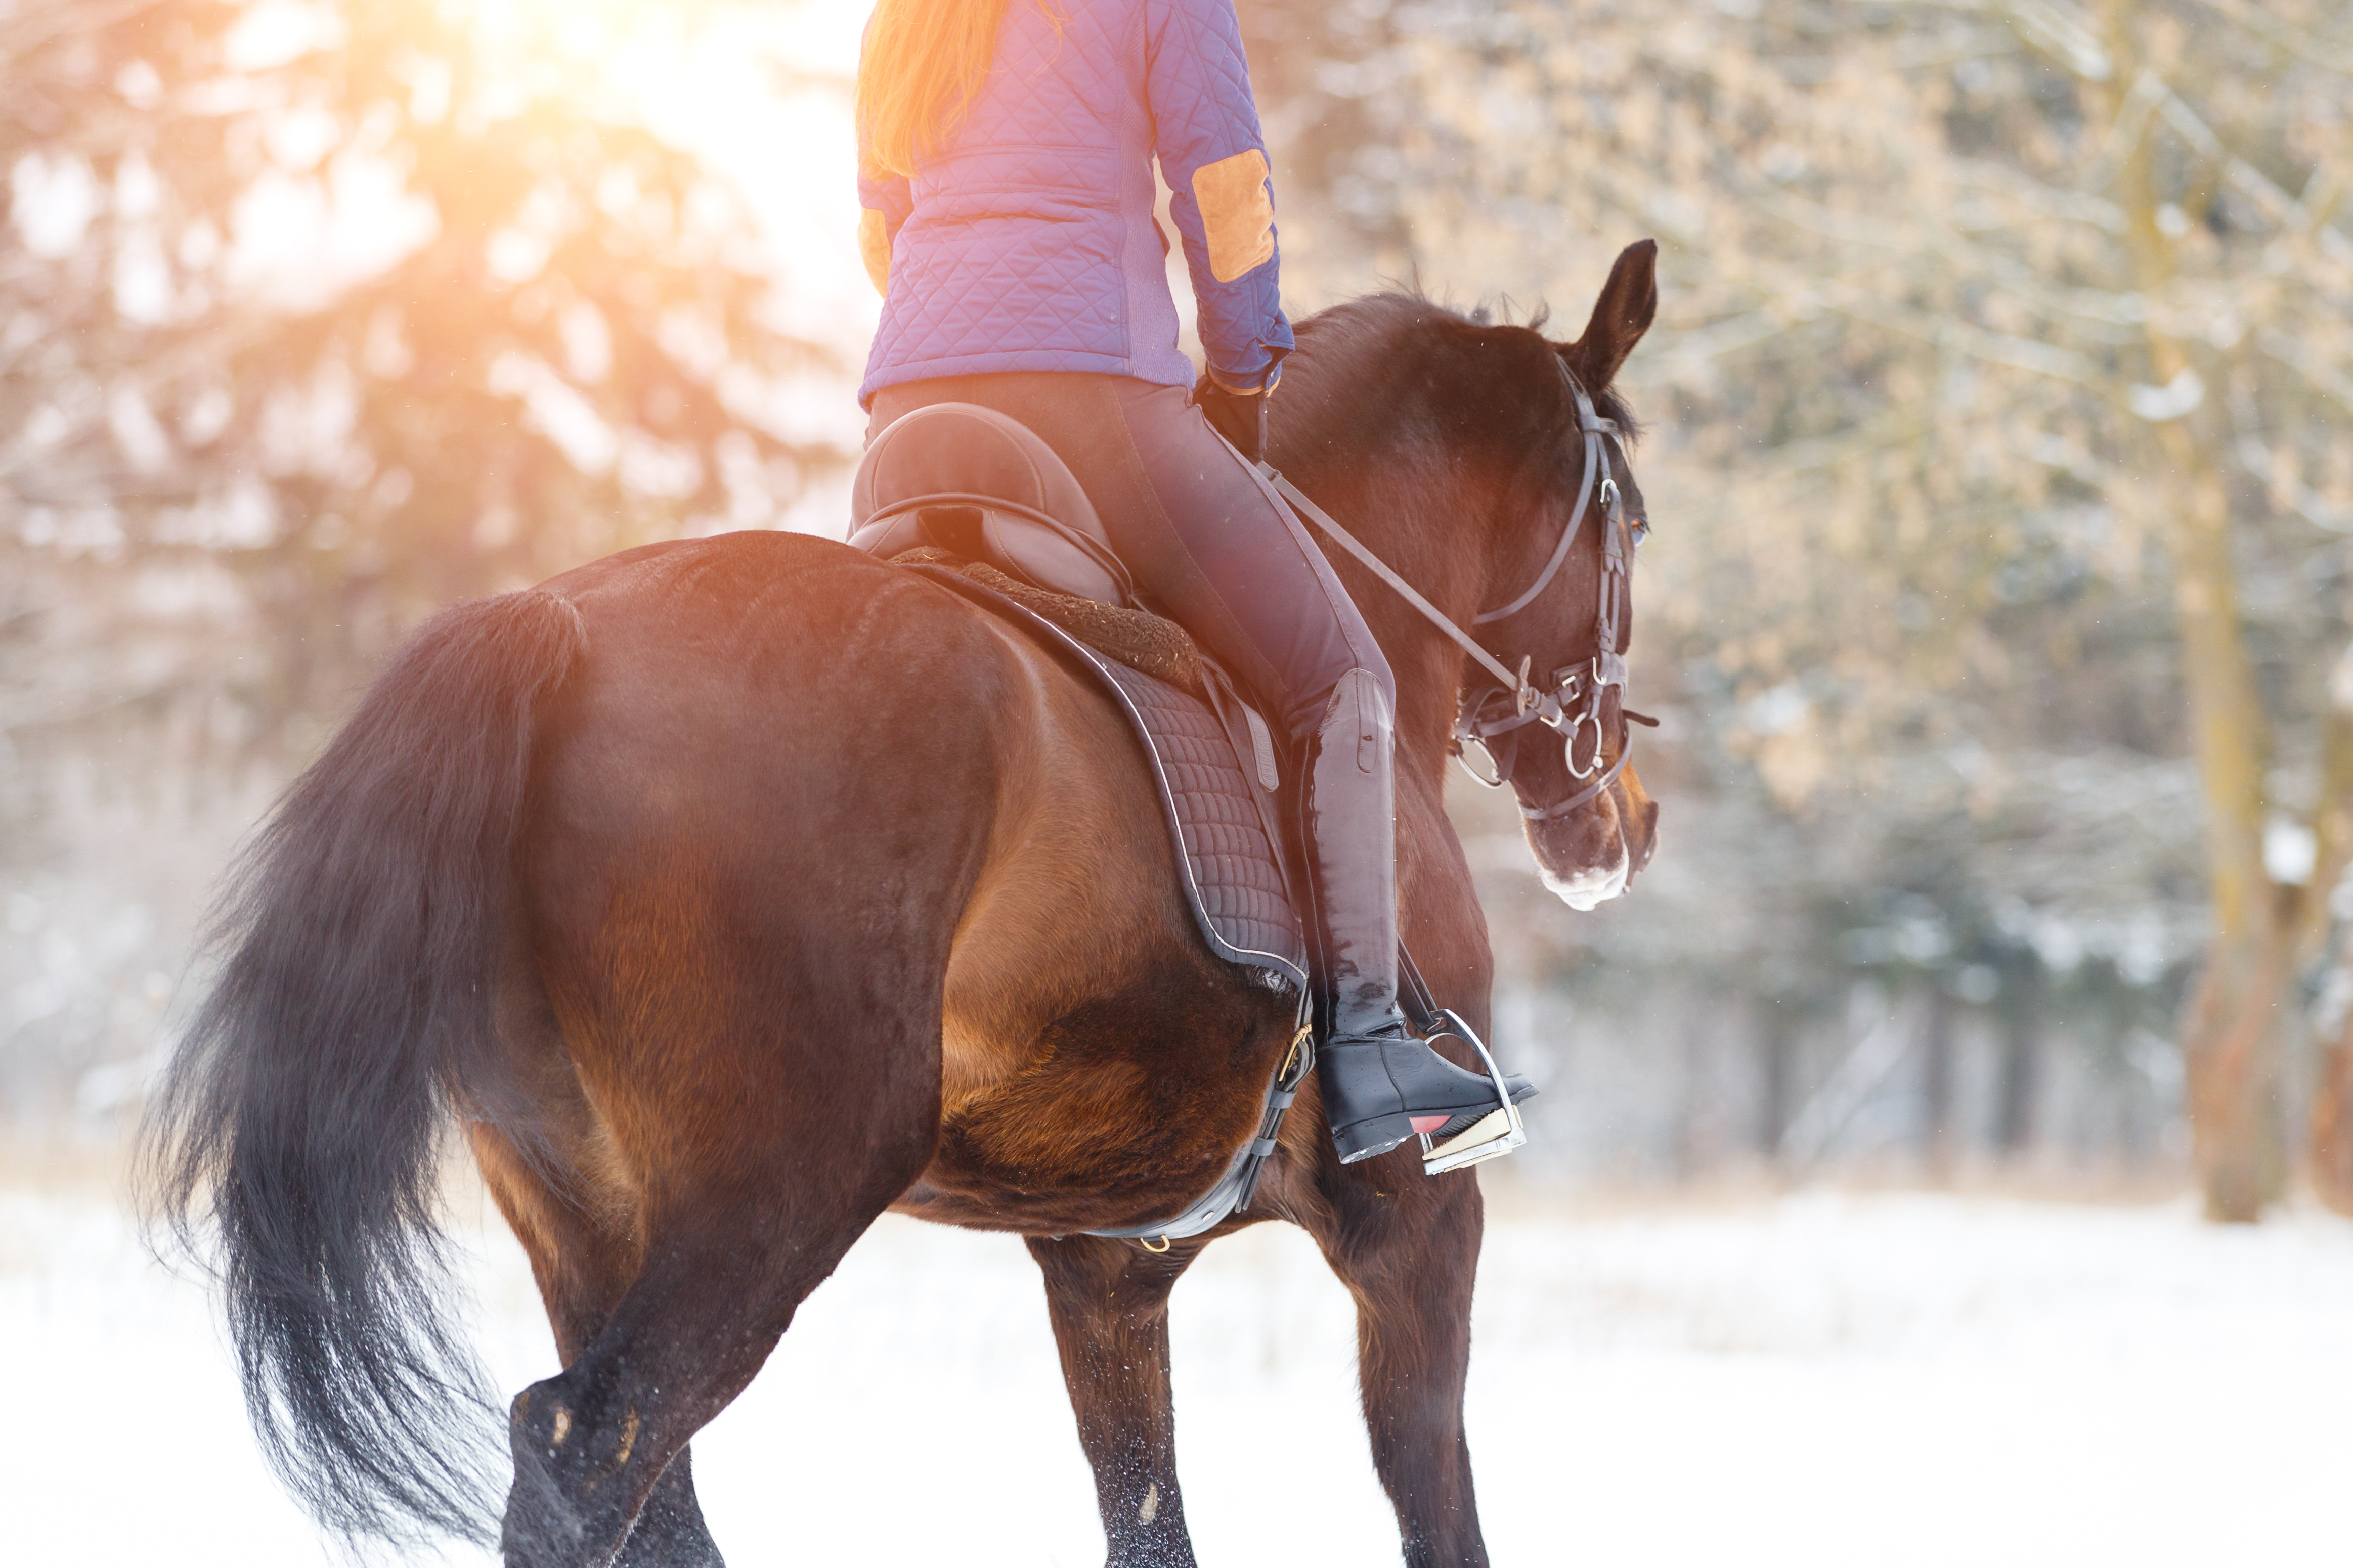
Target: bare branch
2125, 132
2098, 309
2298, 356
2293, 39
2309, 503
2042, 199
2059, 31
1994, 348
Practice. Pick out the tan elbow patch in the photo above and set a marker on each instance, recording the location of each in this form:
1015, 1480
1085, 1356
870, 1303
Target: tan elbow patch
1237, 212
874, 249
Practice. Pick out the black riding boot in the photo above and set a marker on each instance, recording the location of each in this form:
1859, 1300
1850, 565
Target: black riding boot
1381, 1084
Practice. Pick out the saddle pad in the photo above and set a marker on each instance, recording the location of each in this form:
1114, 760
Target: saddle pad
1218, 809
1217, 793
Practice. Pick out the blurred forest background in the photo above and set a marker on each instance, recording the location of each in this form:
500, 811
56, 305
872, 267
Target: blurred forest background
2000, 447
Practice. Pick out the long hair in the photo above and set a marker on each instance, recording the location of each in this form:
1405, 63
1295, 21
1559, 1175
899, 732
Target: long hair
923, 61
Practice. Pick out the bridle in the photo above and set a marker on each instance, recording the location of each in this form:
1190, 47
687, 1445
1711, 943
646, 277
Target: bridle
1571, 706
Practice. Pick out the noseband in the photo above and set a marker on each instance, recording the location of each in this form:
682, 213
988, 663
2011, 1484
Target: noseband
1572, 705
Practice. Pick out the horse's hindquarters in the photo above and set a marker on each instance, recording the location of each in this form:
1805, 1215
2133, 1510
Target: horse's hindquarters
827, 861
758, 806
764, 798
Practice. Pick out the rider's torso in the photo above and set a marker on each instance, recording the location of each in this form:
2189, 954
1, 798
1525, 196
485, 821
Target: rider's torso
1031, 243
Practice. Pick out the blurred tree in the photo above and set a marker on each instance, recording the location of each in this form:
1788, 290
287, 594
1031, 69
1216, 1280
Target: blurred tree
313, 317
368, 306
1982, 321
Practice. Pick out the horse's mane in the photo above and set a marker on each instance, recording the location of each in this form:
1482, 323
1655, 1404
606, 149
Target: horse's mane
1368, 351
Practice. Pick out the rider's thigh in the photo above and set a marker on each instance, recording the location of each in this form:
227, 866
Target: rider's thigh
1206, 537
1249, 551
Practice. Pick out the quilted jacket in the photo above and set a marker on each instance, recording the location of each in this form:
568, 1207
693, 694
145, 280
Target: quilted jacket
1027, 242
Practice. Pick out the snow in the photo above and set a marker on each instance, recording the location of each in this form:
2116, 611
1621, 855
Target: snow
1815, 1379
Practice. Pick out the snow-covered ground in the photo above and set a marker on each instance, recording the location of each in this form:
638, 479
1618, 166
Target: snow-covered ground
1819, 1380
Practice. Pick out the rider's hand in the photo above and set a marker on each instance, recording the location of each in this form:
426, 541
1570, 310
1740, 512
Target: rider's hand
1233, 411
1274, 379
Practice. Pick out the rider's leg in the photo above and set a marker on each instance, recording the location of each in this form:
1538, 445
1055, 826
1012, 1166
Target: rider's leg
1247, 563
1213, 544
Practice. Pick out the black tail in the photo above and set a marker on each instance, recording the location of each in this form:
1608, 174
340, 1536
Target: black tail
304, 1115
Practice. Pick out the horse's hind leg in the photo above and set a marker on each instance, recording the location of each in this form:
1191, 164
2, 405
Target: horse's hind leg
1109, 1303
722, 1098
583, 1260
727, 1261
1406, 1246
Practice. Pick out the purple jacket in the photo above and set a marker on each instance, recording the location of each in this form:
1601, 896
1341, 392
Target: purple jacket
1029, 243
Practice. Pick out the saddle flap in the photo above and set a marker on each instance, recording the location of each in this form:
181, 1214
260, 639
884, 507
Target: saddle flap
974, 481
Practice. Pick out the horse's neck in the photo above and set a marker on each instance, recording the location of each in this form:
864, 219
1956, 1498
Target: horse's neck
1433, 531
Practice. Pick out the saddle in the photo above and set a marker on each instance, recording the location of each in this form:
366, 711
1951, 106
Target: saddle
983, 486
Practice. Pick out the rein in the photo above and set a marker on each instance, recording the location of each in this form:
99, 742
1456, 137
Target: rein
1574, 703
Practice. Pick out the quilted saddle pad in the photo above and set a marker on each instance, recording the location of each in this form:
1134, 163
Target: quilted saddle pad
1216, 771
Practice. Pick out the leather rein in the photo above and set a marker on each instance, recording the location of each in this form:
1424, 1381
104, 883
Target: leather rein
1495, 711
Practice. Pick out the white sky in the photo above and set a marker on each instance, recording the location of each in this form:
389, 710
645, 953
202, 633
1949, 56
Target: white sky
791, 152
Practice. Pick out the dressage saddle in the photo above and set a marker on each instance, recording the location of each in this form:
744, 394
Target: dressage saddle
985, 487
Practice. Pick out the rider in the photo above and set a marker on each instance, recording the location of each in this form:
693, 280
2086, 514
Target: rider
1005, 151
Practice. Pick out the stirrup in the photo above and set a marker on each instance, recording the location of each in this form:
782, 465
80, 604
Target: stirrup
1490, 1137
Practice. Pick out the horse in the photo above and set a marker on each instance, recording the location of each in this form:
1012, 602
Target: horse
725, 893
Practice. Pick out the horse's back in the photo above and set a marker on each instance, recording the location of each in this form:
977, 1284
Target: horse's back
836, 731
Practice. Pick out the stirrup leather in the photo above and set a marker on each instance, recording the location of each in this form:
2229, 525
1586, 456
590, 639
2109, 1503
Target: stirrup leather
1490, 1137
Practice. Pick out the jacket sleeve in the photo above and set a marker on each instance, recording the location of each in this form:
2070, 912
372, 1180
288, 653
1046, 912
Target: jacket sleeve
884, 201
1206, 130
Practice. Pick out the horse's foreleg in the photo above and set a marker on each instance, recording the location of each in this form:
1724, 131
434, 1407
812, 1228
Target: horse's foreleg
1407, 1247
1109, 1303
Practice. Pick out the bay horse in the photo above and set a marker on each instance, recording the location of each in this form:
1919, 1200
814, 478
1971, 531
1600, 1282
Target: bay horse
728, 893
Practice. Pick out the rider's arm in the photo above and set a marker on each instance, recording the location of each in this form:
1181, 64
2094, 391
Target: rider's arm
884, 201
1214, 158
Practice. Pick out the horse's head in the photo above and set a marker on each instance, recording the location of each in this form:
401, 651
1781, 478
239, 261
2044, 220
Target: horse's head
1487, 468
1561, 617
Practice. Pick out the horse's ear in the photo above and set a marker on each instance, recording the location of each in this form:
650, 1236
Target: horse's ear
1629, 301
